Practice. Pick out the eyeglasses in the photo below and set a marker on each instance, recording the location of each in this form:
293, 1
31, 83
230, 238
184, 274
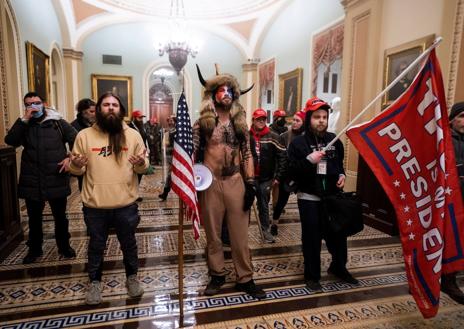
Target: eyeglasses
32, 103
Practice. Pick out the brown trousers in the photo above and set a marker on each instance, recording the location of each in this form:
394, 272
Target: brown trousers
223, 200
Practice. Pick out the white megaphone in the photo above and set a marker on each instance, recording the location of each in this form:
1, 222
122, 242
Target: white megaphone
203, 177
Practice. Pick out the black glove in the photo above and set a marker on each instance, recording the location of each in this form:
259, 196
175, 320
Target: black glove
250, 193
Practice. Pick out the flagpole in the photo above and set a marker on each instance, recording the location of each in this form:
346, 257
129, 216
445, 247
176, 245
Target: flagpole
181, 249
181, 260
398, 78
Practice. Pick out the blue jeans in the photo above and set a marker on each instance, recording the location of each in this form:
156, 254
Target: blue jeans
263, 195
98, 221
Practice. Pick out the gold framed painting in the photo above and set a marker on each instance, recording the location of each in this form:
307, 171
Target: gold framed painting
396, 60
120, 85
290, 86
38, 74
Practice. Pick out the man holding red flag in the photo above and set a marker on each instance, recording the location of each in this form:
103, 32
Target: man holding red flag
409, 149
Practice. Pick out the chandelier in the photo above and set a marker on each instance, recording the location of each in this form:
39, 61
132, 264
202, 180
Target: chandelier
177, 47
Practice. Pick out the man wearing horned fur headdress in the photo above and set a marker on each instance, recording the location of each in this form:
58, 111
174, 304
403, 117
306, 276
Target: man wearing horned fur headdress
222, 143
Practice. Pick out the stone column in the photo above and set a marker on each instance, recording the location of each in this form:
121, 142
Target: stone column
250, 100
73, 73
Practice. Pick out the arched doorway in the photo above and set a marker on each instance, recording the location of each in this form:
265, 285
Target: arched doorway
11, 97
57, 83
160, 102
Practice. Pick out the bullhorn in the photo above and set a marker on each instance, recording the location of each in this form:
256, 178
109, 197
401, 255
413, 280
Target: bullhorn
203, 177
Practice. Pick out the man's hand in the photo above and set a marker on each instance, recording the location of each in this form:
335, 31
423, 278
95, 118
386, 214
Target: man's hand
138, 160
315, 157
28, 113
78, 160
64, 165
250, 193
341, 182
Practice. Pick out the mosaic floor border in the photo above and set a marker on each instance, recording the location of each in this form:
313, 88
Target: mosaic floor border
204, 304
397, 312
21, 294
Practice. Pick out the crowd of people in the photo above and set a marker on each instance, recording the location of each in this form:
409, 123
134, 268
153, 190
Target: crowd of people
246, 164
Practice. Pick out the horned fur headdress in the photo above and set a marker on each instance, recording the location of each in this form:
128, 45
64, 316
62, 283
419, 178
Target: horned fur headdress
208, 114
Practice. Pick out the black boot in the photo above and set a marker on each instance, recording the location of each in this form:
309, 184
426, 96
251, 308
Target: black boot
32, 255
449, 286
163, 196
214, 285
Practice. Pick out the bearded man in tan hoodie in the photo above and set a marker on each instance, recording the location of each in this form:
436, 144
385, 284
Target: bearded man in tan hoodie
110, 155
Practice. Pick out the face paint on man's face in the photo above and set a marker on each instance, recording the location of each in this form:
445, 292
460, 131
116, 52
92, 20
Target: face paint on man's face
223, 92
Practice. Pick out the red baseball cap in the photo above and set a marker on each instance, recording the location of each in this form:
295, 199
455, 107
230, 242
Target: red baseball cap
259, 113
279, 113
315, 103
137, 114
301, 114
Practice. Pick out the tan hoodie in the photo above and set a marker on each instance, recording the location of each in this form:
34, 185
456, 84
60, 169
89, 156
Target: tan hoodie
108, 184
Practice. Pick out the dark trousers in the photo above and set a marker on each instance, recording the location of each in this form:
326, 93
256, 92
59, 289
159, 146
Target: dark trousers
34, 211
313, 230
98, 221
281, 202
263, 195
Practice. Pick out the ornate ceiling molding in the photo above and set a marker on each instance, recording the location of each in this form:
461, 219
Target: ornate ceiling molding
72, 54
194, 9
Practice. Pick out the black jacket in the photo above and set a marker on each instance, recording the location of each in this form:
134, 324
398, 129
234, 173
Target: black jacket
272, 158
304, 173
79, 123
142, 132
44, 147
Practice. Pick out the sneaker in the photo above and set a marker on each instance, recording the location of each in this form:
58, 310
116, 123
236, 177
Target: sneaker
268, 238
214, 285
134, 289
343, 275
67, 252
251, 289
313, 285
449, 286
274, 229
32, 256
93, 296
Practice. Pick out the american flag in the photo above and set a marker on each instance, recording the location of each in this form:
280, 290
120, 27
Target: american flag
183, 180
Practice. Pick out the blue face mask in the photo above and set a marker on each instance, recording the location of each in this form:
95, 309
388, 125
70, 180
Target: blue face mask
39, 109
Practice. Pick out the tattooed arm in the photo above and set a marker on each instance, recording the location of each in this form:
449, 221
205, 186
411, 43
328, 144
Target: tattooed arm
247, 160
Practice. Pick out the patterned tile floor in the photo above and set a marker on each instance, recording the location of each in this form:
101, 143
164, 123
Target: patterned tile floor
50, 293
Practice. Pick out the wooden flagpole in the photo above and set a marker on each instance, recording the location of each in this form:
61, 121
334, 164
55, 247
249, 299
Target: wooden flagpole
398, 78
180, 238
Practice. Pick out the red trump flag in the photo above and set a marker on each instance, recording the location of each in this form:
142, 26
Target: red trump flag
408, 147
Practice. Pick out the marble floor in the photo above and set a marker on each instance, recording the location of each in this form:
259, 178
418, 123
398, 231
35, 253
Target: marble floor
50, 292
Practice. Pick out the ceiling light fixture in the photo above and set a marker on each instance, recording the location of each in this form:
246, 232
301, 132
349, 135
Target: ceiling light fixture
177, 47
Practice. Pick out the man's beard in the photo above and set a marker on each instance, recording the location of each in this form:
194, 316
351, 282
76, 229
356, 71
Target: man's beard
221, 104
110, 123
319, 133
